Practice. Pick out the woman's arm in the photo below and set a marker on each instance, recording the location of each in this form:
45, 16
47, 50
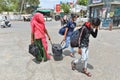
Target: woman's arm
32, 32
32, 38
47, 34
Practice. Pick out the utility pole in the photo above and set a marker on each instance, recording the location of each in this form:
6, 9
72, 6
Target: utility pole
21, 8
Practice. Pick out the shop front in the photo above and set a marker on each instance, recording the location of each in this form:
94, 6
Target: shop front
115, 14
107, 10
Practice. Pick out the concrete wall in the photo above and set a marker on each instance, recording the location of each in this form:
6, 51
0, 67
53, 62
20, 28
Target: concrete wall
11, 16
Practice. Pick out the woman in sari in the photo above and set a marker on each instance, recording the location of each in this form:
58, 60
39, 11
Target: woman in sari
38, 36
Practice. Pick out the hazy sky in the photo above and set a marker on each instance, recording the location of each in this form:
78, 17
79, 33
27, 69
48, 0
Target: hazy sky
51, 3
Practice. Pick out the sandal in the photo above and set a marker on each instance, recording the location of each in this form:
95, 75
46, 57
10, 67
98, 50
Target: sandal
73, 65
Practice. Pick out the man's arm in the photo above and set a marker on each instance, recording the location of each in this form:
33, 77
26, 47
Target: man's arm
82, 34
94, 33
66, 30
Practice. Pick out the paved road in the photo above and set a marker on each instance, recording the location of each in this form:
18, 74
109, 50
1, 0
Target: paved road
17, 64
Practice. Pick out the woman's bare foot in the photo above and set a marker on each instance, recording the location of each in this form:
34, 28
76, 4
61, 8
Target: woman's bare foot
87, 73
73, 65
71, 54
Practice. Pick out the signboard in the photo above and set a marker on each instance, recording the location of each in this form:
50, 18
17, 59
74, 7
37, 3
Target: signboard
57, 7
104, 10
71, 4
97, 1
111, 14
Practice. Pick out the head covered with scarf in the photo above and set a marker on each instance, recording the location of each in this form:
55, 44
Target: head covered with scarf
38, 25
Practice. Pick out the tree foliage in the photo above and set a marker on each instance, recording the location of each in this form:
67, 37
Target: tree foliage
33, 2
82, 2
16, 5
65, 7
8, 5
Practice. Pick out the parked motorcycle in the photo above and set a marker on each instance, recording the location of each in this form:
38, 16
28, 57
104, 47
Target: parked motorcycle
5, 24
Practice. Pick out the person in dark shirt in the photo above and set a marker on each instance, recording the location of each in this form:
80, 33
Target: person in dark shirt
89, 28
69, 29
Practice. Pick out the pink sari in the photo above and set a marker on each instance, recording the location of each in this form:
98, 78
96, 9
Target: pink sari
38, 29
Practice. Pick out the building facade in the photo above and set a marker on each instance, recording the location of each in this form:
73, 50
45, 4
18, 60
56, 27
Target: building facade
107, 10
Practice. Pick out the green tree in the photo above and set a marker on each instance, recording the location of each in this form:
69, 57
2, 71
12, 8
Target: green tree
82, 2
13, 5
3, 6
65, 7
33, 4
8, 5
18, 5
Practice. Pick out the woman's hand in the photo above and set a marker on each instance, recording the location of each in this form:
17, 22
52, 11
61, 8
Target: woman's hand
79, 51
32, 41
49, 37
64, 38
